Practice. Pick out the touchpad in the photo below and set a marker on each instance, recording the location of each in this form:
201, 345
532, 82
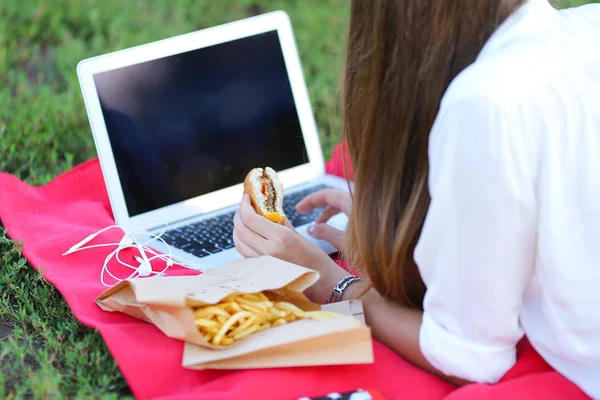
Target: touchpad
339, 221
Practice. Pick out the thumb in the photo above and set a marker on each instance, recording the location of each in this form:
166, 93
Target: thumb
327, 233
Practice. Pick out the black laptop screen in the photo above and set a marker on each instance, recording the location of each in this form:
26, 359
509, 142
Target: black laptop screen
196, 122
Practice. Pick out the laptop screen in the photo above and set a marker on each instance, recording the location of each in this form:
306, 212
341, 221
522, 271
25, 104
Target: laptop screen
196, 122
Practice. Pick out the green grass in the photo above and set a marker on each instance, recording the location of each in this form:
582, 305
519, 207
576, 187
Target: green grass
44, 351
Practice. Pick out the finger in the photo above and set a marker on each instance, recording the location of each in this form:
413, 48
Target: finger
243, 248
257, 223
327, 214
327, 233
323, 198
248, 237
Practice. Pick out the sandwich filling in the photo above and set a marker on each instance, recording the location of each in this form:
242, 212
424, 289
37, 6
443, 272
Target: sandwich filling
269, 193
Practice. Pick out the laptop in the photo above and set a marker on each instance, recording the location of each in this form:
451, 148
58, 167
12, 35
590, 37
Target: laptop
178, 124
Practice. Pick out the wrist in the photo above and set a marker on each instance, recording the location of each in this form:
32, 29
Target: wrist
356, 290
329, 276
340, 290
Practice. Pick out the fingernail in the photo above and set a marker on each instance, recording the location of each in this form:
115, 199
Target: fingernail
310, 229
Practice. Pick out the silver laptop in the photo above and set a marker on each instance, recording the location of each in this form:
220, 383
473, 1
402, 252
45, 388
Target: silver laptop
179, 123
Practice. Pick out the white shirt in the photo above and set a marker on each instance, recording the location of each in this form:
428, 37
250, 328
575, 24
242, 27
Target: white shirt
511, 242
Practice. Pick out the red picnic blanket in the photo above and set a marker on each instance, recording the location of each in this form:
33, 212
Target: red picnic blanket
51, 218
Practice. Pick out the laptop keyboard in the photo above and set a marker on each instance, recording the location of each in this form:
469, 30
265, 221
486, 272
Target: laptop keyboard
214, 235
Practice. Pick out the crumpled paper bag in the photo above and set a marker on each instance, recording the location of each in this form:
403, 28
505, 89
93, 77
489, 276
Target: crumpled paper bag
165, 302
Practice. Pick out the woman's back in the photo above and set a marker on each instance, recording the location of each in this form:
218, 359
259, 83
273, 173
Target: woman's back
537, 259
561, 311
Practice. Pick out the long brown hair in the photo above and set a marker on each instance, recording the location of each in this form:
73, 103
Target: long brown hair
401, 57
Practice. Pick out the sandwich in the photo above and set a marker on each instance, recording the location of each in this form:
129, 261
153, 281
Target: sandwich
266, 194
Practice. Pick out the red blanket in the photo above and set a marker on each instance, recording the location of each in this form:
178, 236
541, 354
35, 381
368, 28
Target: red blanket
51, 218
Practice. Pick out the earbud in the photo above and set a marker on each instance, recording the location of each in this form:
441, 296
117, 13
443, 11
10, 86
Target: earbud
126, 241
145, 268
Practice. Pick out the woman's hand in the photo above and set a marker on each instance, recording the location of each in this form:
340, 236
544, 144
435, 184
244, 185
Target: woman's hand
255, 236
334, 201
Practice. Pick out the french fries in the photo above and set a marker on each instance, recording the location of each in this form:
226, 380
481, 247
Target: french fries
240, 315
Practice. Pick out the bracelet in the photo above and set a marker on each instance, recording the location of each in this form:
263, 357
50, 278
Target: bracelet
340, 288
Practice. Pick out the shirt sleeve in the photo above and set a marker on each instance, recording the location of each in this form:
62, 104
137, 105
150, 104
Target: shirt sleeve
477, 248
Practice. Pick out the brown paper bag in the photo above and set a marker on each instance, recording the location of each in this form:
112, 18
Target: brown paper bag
301, 343
164, 302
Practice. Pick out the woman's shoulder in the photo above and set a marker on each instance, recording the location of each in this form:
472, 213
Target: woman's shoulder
585, 17
530, 63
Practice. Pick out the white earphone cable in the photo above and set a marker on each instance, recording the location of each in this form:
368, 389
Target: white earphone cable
129, 240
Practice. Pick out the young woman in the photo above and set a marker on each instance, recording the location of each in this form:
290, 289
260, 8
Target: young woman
473, 128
